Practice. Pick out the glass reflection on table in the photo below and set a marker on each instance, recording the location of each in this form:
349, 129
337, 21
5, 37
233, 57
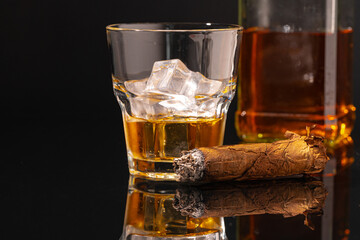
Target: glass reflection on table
150, 214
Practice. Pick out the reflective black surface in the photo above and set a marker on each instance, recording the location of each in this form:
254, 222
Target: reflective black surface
70, 180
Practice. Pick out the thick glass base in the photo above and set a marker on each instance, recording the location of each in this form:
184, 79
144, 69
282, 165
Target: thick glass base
150, 214
152, 168
269, 127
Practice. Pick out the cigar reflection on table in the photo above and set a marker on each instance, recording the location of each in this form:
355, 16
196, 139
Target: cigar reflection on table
288, 197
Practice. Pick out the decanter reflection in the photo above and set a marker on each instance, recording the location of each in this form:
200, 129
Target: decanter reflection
332, 224
150, 214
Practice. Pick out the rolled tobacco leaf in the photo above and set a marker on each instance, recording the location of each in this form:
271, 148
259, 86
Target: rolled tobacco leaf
288, 197
293, 156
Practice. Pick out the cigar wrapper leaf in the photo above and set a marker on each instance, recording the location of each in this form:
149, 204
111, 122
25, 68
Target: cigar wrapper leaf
293, 156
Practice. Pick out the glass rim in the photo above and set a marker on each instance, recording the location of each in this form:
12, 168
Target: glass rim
207, 27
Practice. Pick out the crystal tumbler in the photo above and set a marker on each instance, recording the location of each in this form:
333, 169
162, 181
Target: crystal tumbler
174, 83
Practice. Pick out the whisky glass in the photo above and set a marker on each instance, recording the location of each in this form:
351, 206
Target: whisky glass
296, 69
174, 83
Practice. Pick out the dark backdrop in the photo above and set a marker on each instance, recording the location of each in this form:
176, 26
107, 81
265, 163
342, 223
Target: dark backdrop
54, 53
54, 56
63, 164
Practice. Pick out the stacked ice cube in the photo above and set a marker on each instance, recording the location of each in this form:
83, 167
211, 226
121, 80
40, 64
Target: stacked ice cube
173, 90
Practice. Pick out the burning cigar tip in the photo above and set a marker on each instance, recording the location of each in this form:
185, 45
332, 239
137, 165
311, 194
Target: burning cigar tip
190, 166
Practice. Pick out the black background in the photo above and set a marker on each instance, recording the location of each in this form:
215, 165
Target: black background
63, 164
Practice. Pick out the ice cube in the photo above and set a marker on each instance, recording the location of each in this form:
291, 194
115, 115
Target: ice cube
155, 106
169, 220
208, 87
136, 87
176, 139
172, 89
208, 106
149, 212
172, 76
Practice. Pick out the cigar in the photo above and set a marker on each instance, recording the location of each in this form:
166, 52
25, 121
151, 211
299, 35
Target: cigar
289, 197
293, 156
